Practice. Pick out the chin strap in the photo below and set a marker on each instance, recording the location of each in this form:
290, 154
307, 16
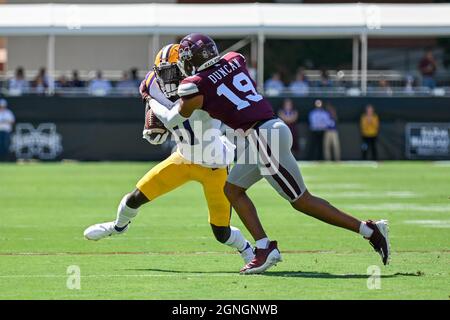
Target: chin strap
209, 63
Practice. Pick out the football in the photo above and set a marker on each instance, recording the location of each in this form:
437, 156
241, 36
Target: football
153, 124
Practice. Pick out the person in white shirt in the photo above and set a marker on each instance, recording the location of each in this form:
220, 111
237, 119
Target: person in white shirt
6, 124
18, 85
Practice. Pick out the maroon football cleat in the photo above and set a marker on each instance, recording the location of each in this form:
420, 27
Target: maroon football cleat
380, 239
264, 259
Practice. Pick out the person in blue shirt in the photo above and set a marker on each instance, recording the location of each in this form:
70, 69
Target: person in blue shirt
274, 86
299, 87
99, 86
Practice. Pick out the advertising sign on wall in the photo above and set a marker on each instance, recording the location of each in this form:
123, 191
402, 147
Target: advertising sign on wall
427, 140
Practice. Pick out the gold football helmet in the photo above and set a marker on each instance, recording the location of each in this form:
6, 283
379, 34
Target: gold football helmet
166, 70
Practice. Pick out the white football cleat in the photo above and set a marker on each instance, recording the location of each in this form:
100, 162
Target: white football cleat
380, 239
102, 230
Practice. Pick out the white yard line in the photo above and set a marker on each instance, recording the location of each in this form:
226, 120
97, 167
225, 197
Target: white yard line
366, 164
399, 207
430, 223
370, 194
441, 163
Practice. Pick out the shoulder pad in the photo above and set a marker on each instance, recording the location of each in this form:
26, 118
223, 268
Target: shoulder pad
187, 88
232, 54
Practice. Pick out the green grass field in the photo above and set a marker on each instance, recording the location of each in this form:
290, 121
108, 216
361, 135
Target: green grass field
169, 251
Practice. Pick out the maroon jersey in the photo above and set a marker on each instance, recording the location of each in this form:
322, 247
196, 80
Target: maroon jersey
229, 93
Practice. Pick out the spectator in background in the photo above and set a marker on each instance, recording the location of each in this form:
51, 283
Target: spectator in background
384, 87
290, 116
6, 124
127, 86
427, 67
370, 125
274, 85
331, 145
40, 83
325, 81
76, 82
99, 86
18, 85
135, 78
300, 87
409, 84
62, 82
319, 120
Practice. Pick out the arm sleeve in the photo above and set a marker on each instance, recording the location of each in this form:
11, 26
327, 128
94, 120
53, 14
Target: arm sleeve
156, 93
170, 117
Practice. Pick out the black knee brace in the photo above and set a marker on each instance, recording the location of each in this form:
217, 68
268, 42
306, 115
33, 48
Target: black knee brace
136, 199
222, 234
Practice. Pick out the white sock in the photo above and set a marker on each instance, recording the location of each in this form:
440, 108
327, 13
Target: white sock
364, 230
262, 243
124, 213
236, 239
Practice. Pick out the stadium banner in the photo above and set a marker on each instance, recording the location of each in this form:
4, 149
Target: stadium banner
110, 128
427, 141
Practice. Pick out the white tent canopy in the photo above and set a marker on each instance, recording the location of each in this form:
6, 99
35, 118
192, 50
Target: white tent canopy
277, 20
357, 21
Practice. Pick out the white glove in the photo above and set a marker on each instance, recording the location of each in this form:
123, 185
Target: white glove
155, 138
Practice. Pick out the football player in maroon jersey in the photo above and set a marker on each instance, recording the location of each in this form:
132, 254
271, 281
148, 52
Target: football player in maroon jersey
222, 87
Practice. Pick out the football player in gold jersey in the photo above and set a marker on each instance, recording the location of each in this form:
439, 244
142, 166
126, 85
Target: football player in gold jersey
180, 167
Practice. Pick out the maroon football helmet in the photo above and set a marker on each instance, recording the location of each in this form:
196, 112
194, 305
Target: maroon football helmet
196, 53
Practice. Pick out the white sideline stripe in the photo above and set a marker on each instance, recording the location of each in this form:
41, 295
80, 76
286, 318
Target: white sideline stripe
430, 223
319, 185
399, 207
366, 164
368, 194
442, 163
333, 186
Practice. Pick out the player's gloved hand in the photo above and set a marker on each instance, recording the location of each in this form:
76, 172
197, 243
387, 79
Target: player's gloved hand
154, 138
143, 90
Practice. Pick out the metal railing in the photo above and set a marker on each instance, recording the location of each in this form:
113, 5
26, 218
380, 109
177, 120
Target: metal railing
343, 83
